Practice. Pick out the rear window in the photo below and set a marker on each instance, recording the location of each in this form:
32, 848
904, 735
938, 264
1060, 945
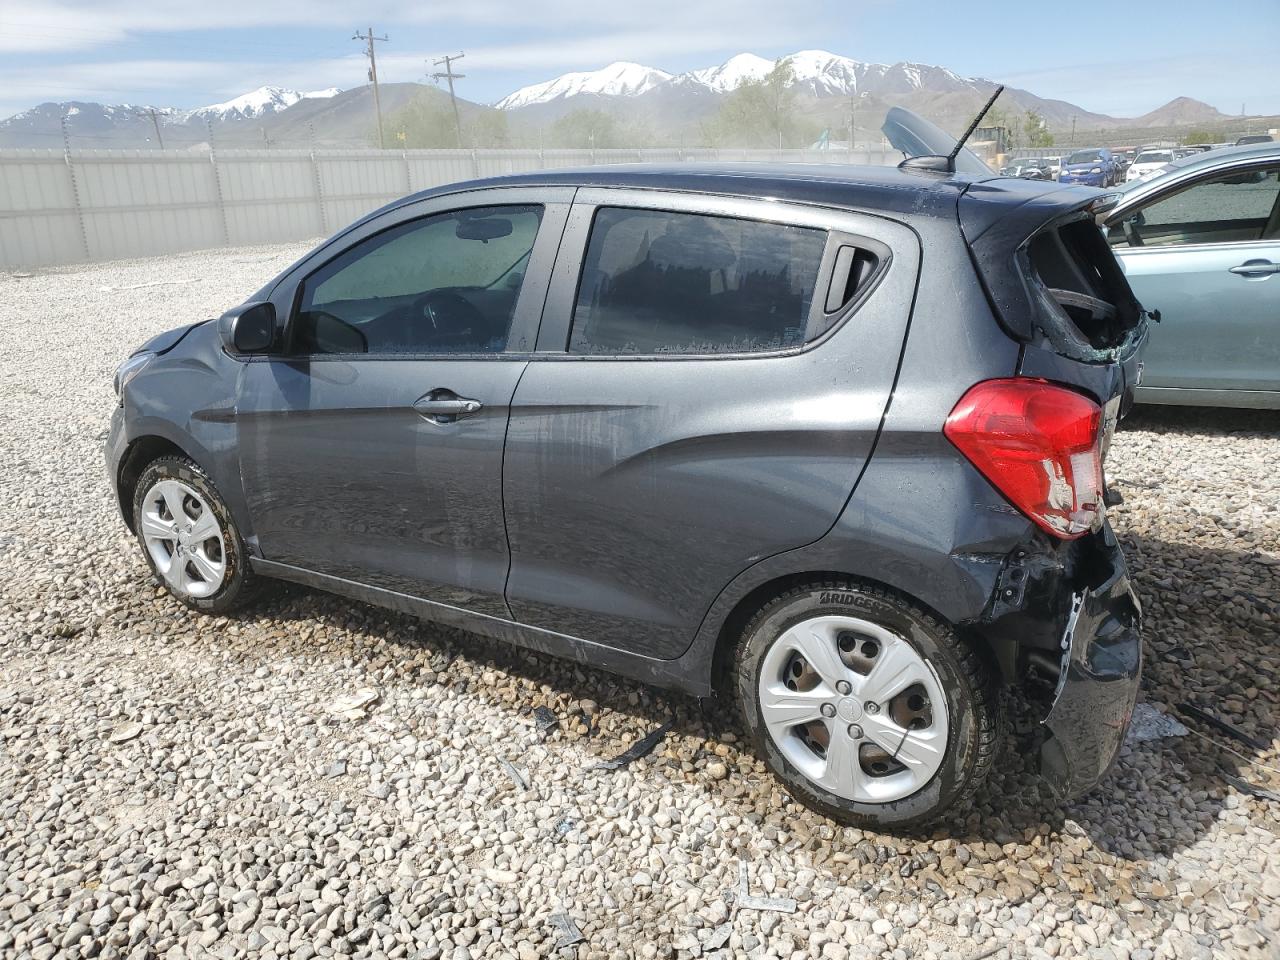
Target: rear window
1083, 280
687, 283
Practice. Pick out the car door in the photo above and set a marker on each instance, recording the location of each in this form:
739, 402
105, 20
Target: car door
711, 375
371, 445
1204, 251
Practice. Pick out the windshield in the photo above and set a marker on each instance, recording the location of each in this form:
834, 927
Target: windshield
1154, 156
1085, 156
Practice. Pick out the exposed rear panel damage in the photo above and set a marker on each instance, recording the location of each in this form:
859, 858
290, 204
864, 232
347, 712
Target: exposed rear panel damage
1064, 624
1063, 618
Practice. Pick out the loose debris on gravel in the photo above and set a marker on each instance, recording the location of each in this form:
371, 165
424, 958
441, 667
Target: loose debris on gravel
173, 785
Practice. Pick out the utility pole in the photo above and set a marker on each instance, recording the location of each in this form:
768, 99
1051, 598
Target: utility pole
155, 122
369, 38
1073, 130
451, 76
853, 125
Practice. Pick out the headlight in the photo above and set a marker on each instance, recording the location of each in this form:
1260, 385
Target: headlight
1096, 170
130, 369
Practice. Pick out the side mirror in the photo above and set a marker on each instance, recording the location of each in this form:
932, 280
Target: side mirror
248, 328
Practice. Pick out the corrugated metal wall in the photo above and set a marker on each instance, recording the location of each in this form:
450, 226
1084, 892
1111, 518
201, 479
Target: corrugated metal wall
83, 205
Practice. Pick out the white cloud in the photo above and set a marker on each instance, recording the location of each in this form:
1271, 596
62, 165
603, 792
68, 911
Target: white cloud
36, 25
621, 32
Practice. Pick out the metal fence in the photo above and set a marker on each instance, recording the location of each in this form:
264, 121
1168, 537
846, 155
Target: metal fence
81, 205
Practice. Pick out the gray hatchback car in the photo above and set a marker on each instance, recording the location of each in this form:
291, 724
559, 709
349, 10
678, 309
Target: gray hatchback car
828, 441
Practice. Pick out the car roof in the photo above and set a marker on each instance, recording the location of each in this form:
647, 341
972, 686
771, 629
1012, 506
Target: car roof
852, 186
1247, 151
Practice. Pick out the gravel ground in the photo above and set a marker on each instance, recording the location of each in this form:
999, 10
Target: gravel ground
172, 785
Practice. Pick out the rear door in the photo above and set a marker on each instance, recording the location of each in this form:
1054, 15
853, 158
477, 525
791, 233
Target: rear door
1206, 255
371, 445
711, 375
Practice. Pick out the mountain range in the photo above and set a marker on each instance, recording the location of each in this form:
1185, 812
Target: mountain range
830, 90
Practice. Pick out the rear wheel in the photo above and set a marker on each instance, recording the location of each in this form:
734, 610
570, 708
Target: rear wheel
189, 538
869, 710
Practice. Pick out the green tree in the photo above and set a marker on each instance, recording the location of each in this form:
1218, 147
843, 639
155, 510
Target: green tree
585, 128
486, 128
426, 123
761, 113
1198, 136
1036, 130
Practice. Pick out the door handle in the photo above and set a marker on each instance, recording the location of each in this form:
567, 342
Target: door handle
1256, 268
445, 406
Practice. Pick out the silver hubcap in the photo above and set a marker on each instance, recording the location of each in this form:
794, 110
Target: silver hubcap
183, 538
854, 708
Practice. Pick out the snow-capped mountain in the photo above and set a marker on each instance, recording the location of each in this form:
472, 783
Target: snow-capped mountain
257, 103
727, 76
619, 79
817, 72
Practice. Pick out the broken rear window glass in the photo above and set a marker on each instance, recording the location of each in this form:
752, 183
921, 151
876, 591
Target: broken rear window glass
684, 283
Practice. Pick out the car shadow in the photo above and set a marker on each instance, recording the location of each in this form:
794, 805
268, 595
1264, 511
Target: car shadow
1161, 797
1203, 421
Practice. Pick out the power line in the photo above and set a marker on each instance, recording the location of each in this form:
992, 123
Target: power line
369, 38
451, 76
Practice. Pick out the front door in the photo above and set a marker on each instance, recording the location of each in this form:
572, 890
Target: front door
1207, 256
710, 377
371, 446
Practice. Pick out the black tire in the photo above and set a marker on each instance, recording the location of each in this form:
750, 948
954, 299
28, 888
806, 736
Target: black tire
975, 720
240, 586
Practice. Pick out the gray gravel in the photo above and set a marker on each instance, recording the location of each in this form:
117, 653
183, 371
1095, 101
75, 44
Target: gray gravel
323, 778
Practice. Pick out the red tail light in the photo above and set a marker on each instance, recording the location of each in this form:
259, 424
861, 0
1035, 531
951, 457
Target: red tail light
1039, 444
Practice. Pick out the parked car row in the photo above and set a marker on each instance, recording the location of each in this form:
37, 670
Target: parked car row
1104, 167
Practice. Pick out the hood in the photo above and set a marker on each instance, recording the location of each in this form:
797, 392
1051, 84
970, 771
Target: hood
917, 137
164, 342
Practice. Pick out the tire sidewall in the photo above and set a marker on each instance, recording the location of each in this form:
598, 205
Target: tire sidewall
961, 758
233, 584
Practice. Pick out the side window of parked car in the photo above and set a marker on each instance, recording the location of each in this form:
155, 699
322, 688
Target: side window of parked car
443, 284
687, 283
1232, 207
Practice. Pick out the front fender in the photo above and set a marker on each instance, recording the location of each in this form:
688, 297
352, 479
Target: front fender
187, 397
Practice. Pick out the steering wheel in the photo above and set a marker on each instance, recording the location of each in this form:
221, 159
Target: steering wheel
441, 316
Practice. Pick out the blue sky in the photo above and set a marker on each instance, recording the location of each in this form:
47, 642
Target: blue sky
188, 53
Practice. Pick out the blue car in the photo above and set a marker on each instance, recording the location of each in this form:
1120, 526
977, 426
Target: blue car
1095, 166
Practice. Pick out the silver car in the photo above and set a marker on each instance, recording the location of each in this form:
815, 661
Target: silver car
1200, 243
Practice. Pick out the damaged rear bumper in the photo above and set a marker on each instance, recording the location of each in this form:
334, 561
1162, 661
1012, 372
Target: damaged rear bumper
1098, 683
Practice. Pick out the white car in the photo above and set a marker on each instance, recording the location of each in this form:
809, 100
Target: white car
1147, 164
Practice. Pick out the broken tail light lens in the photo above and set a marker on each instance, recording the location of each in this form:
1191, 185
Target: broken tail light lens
1040, 444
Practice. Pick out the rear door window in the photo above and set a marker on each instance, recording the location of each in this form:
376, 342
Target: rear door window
664, 282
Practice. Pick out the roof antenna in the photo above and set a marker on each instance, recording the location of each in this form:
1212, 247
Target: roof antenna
947, 164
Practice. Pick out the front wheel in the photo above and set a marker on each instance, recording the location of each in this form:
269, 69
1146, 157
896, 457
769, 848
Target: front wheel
868, 709
189, 537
